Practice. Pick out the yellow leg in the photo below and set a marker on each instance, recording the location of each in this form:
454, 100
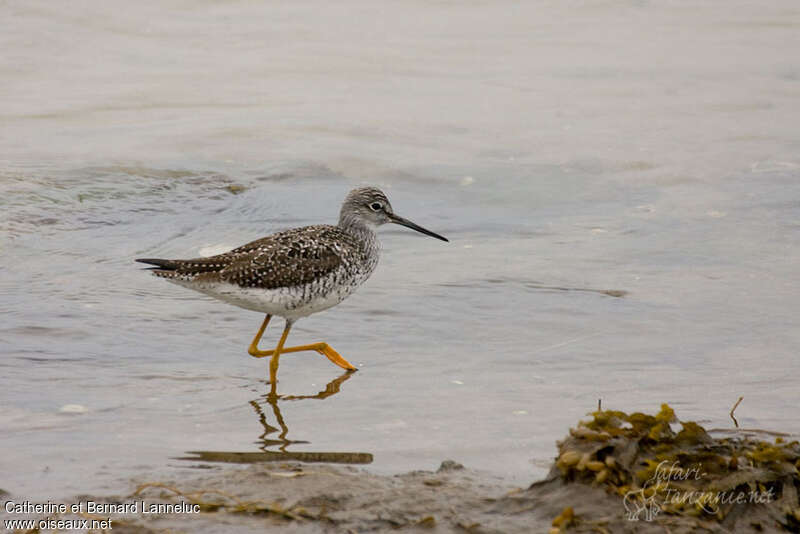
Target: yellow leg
276, 354
323, 348
253, 348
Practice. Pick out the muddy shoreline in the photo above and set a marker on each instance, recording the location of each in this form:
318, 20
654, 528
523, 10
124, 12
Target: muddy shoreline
302, 498
615, 472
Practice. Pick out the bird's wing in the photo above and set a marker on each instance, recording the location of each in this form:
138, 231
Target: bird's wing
288, 259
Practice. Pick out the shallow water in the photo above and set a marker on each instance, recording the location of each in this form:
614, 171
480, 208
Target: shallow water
566, 149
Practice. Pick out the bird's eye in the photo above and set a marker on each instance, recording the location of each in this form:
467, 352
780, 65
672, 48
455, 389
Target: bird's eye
375, 206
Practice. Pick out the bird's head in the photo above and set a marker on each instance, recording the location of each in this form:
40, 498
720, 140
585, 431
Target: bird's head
370, 206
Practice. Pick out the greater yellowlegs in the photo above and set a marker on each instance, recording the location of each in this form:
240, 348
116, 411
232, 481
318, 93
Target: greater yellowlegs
294, 273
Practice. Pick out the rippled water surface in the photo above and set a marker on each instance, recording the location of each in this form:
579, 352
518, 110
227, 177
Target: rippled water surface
620, 182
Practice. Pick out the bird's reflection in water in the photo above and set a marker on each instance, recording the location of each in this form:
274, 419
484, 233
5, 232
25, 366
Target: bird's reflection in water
332, 388
281, 442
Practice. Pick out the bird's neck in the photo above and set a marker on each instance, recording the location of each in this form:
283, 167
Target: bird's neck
361, 230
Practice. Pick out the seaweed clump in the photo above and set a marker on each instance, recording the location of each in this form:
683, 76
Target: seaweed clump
664, 470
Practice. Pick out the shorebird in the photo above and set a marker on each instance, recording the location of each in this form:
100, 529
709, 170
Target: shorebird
294, 273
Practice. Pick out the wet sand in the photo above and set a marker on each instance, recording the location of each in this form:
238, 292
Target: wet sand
294, 497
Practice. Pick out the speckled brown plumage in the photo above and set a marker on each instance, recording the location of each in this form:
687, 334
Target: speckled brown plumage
286, 259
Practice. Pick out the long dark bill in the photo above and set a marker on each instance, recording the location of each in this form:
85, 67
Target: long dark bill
405, 222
